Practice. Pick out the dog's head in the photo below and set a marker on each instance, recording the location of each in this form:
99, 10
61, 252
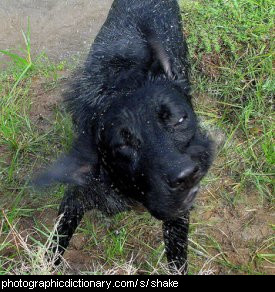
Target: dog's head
153, 150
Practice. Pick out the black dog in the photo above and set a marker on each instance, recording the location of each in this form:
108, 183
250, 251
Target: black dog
138, 138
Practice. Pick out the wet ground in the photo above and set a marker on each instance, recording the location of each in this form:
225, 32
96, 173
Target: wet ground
62, 28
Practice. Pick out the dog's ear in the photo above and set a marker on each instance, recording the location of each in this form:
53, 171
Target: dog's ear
74, 168
160, 55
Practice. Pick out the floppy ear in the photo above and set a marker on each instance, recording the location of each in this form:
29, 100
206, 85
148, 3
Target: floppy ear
71, 168
162, 60
160, 56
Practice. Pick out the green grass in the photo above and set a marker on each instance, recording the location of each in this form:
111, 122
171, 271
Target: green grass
22, 142
231, 52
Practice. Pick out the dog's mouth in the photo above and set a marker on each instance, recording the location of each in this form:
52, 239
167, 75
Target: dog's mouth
181, 209
189, 200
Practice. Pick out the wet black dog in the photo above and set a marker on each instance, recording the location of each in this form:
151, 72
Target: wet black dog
138, 139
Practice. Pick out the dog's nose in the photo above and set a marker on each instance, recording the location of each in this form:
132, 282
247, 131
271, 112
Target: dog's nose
185, 175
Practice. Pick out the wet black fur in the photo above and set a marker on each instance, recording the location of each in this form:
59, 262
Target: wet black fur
135, 126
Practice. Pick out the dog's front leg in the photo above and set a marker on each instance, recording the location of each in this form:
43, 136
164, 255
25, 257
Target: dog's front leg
175, 234
75, 203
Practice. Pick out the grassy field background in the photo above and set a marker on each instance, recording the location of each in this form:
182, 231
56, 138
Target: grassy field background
232, 230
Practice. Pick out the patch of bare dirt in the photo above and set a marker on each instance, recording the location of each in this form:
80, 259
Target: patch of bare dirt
79, 260
211, 64
45, 100
241, 230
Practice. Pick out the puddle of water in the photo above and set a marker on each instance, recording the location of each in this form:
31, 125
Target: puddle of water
62, 28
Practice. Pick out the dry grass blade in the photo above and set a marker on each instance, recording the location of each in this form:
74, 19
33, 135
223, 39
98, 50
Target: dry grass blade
34, 259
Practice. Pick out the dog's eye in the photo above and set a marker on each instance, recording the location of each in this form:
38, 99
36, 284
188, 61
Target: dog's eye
129, 140
181, 120
122, 147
